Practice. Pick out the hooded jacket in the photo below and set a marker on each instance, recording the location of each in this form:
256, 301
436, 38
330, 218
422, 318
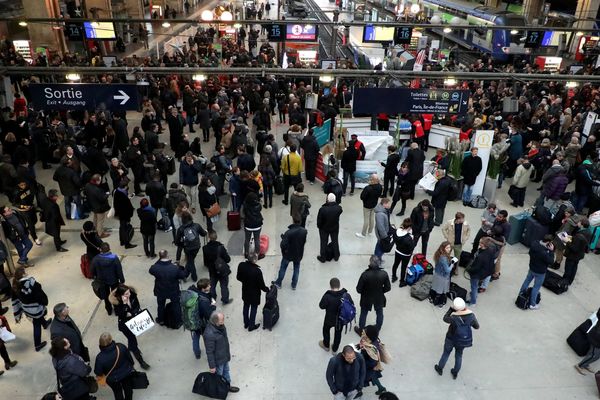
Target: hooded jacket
70, 331
252, 211
299, 205
70, 370
382, 222
522, 175
216, 344
30, 299
404, 241
370, 195
107, 358
328, 218
343, 377
540, 257
372, 285
107, 268
330, 302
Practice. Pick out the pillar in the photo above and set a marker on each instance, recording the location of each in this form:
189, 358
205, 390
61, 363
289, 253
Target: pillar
533, 9
42, 34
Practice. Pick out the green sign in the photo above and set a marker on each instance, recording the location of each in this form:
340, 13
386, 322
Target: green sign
321, 133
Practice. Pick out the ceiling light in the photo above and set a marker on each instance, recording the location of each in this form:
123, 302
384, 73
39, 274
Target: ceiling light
199, 77
237, 26
579, 33
449, 81
226, 16
72, 77
206, 15
326, 78
514, 32
447, 30
572, 85
95, 24
166, 24
22, 23
415, 8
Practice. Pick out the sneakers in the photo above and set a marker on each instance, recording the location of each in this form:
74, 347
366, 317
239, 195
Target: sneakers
322, 345
11, 364
535, 307
169, 229
394, 279
38, 242
234, 389
360, 235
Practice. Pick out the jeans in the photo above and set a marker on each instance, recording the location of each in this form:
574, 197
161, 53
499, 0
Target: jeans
345, 182
341, 396
539, 280
224, 283
268, 195
73, 199
474, 287
592, 355
283, 268
362, 321
122, 389
23, 246
458, 352
148, 244
467, 192
223, 370
160, 305
249, 312
570, 270
337, 336
368, 220
248, 235
190, 264
485, 282
196, 335
378, 251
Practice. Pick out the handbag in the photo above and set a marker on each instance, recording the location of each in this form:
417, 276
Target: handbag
6, 335
101, 380
91, 383
215, 209
139, 380
98, 288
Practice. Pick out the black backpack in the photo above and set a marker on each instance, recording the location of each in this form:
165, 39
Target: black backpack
221, 267
211, 385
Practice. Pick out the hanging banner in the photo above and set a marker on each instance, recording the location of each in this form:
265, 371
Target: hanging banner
483, 142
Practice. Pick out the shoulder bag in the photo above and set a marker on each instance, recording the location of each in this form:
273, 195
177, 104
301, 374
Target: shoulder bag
139, 380
102, 378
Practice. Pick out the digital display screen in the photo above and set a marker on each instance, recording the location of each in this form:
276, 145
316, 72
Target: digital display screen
403, 35
533, 39
375, 34
99, 30
547, 39
275, 32
301, 32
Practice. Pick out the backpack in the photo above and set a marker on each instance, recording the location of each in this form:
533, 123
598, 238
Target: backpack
347, 311
478, 202
463, 336
271, 298
190, 237
190, 311
221, 267
414, 273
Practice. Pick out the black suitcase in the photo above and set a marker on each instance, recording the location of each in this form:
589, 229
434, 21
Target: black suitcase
270, 317
465, 259
523, 299
534, 231
456, 291
578, 339
555, 283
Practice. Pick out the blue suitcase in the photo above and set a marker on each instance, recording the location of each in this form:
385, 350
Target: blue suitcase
517, 226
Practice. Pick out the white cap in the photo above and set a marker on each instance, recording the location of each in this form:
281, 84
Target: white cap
459, 304
331, 198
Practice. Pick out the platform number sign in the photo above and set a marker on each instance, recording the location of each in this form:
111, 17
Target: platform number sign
403, 35
276, 32
534, 39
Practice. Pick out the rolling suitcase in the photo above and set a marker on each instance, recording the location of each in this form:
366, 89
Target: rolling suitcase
85, 266
270, 317
555, 283
517, 225
523, 299
234, 222
534, 231
578, 339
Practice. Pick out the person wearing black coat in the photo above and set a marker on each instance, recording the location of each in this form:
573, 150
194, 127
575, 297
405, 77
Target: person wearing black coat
54, 220
372, 285
346, 374
147, 216
124, 212
90, 238
188, 237
210, 252
253, 221
482, 266
126, 304
348, 164
370, 197
330, 302
390, 171
471, 167
107, 269
541, 256
440, 196
98, 200
69, 184
415, 158
24, 201
310, 147
117, 357
328, 222
251, 277
63, 326
422, 217
166, 284
157, 192
292, 249
576, 248
95, 159
135, 161
71, 370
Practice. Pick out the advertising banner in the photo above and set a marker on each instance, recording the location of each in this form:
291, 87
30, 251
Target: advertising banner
364, 169
483, 142
321, 133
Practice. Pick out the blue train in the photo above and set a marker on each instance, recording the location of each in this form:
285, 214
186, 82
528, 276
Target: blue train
459, 14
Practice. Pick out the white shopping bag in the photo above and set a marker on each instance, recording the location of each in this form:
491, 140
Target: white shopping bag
428, 182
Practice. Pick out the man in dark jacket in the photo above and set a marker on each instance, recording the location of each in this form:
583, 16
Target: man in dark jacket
482, 266
206, 306
124, 212
251, 277
216, 344
211, 251
422, 217
576, 249
53, 219
166, 284
63, 326
292, 249
188, 237
328, 222
369, 196
245, 161
541, 256
346, 374
121, 136
107, 269
415, 158
585, 180
439, 197
310, 147
348, 164
330, 302
372, 285
390, 171
15, 229
69, 184
157, 193
98, 200
189, 169
470, 168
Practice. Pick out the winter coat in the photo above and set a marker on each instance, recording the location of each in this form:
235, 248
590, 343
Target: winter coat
522, 175
180, 232
349, 158
147, 216
440, 194
106, 359
188, 173
455, 318
555, 186
157, 193
70, 331
251, 277
71, 371
576, 249
68, 181
416, 216
584, 180
330, 302
441, 276
310, 147
210, 251
449, 233
415, 159
391, 165
166, 278
404, 241
483, 264
471, 167
516, 146
107, 268
252, 211
216, 344
370, 195
328, 218
540, 257
372, 285
292, 243
382, 222
52, 216
344, 377
92, 243
97, 198
29, 298
299, 205
123, 207
124, 311
175, 197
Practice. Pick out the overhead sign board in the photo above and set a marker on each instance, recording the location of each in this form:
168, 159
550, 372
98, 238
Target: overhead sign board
534, 39
83, 96
403, 35
301, 33
276, 32
406, 100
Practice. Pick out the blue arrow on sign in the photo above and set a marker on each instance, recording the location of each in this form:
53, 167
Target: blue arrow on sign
83, 96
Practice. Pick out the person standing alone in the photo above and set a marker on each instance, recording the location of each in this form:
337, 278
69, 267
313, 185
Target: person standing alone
470, 168
292, 250
331, 303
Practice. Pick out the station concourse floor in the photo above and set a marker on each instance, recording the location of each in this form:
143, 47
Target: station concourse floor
516, 354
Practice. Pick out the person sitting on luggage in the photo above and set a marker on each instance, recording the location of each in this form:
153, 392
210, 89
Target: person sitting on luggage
541, 255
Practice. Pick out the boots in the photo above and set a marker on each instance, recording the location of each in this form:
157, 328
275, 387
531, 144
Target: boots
138, 356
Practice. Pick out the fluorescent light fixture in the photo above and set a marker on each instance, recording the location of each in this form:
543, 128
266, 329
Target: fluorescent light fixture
206, 15
514, 32
449, 81
226, 16
199, 77
166, 24
237, 26
22, 23
72, 77
447, 30
572, 85
326, 78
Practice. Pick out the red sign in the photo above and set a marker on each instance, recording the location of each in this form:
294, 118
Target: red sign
319, 170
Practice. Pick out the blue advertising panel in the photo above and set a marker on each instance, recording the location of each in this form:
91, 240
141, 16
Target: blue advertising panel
405, 100
321, 133
83, 96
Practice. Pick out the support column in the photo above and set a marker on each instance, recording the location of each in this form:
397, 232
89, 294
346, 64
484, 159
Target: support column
532, 9
42, 34
586, 9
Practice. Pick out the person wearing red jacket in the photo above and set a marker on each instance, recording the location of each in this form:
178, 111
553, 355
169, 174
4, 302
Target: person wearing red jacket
418, 132
20, 106
427, 123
